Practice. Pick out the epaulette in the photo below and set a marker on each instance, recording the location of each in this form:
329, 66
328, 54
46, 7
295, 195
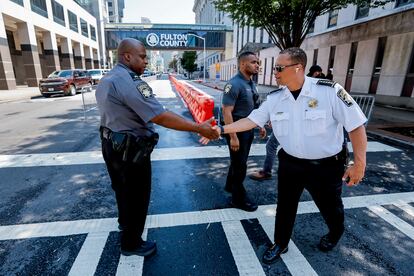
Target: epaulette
275, 91
326, 82
134, 76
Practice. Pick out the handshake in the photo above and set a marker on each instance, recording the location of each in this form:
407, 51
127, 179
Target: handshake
208, 132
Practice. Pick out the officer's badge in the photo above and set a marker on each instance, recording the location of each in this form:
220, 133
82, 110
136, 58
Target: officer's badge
227, 88
345, 97
145, 90
313, 103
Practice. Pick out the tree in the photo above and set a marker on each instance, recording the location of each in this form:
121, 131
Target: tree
173, 64
188, 61
286, 21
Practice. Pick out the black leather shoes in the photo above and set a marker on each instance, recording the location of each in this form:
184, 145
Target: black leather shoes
245, 205
273, 253
327, 243
145, 249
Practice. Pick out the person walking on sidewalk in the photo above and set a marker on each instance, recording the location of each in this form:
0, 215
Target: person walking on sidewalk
240, 97
307, 117
266, 172
128, 111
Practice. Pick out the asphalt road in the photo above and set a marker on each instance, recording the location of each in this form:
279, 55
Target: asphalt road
58, 214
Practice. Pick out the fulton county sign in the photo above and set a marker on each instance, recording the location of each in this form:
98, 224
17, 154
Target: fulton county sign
167, 40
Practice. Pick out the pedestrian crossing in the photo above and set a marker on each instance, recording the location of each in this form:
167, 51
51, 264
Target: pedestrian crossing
159, 154
245, 257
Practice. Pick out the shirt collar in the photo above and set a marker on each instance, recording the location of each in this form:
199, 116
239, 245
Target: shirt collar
305, 92
125, 67
240, 75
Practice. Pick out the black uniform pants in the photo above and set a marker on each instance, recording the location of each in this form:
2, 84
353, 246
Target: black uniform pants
322, 179
132, 186
238, 165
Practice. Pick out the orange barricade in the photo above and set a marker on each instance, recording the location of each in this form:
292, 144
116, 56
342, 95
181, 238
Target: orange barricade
199, 103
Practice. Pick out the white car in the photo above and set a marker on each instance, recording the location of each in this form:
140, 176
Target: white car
97, 74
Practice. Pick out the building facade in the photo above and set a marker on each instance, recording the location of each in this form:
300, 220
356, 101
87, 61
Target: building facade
368, 50
38, 37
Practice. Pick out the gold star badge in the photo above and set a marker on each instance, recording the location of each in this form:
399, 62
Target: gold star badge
313, 103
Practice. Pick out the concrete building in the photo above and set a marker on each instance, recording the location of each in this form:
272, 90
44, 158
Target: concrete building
369, 50
40, 36
98, 8
115, 10
206, 13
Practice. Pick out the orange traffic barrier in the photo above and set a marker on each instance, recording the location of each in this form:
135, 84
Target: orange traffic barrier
199, 103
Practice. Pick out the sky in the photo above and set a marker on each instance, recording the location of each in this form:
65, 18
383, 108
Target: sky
159, 11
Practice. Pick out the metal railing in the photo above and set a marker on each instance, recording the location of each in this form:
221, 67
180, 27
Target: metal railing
366, 103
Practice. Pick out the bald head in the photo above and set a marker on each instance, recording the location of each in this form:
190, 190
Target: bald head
131, 52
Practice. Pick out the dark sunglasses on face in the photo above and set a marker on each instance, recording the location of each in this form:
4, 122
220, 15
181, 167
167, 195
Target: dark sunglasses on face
280, 68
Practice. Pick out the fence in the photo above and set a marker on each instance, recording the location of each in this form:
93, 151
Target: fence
366, 103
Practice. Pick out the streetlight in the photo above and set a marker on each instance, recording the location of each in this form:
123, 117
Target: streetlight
204, 54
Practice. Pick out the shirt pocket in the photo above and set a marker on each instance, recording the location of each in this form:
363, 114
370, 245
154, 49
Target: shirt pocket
315, 122
280, 123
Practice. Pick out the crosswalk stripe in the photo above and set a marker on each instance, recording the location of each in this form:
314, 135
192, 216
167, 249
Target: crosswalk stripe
89, 255
241, 249
294, 259
406, 208
65, 228
131, 265
392, 219
160, 154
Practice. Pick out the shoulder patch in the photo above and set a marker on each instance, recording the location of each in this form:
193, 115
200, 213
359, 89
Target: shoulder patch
275, 91
145, 90
134, 76
227, 88
326, 82
345, 97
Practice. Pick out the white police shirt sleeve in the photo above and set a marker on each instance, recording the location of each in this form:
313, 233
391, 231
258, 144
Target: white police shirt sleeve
345, 110
261, 115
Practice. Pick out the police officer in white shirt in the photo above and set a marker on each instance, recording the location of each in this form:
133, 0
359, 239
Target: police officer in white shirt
308, 116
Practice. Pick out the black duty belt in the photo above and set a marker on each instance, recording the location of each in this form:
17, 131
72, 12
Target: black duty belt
105, 132
341, 156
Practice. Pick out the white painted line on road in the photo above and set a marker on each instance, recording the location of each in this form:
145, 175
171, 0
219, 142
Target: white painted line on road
406, 208
392, 219
241, 249
88, 258
294, 259
131, 265
65, 228
161, 154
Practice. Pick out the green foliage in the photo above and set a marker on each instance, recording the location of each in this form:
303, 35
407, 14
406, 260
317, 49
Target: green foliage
188, 61
173, 64
286, 21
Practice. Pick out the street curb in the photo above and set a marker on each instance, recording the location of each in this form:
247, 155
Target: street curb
390, 140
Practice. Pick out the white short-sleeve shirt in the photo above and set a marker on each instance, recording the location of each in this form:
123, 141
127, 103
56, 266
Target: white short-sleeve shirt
310, 127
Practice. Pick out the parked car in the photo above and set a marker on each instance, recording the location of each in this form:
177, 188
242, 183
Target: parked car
67, 82
97, 74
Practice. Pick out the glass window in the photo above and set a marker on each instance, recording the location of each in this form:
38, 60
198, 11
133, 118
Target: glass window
400, 3
93, 32
84, 27
109, 4
362, 11
73, 21
20, 2
333, 18
39, 7
58, 15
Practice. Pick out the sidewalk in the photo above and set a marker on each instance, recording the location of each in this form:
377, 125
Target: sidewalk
18, 94
391, 124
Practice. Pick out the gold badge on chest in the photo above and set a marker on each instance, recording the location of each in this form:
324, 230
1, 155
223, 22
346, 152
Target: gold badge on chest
313, 103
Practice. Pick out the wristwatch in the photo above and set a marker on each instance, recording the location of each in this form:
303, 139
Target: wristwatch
221, 129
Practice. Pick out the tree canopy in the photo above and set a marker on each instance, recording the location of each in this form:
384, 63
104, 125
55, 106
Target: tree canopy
188, 61
286, 21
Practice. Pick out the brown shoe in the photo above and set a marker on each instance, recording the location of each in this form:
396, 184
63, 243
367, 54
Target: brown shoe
260, 175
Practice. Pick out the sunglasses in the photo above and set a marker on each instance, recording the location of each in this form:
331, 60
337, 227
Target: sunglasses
280, 68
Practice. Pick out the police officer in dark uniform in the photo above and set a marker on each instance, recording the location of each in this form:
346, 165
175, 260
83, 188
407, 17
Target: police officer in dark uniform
240, 97
128, 110
308, 116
